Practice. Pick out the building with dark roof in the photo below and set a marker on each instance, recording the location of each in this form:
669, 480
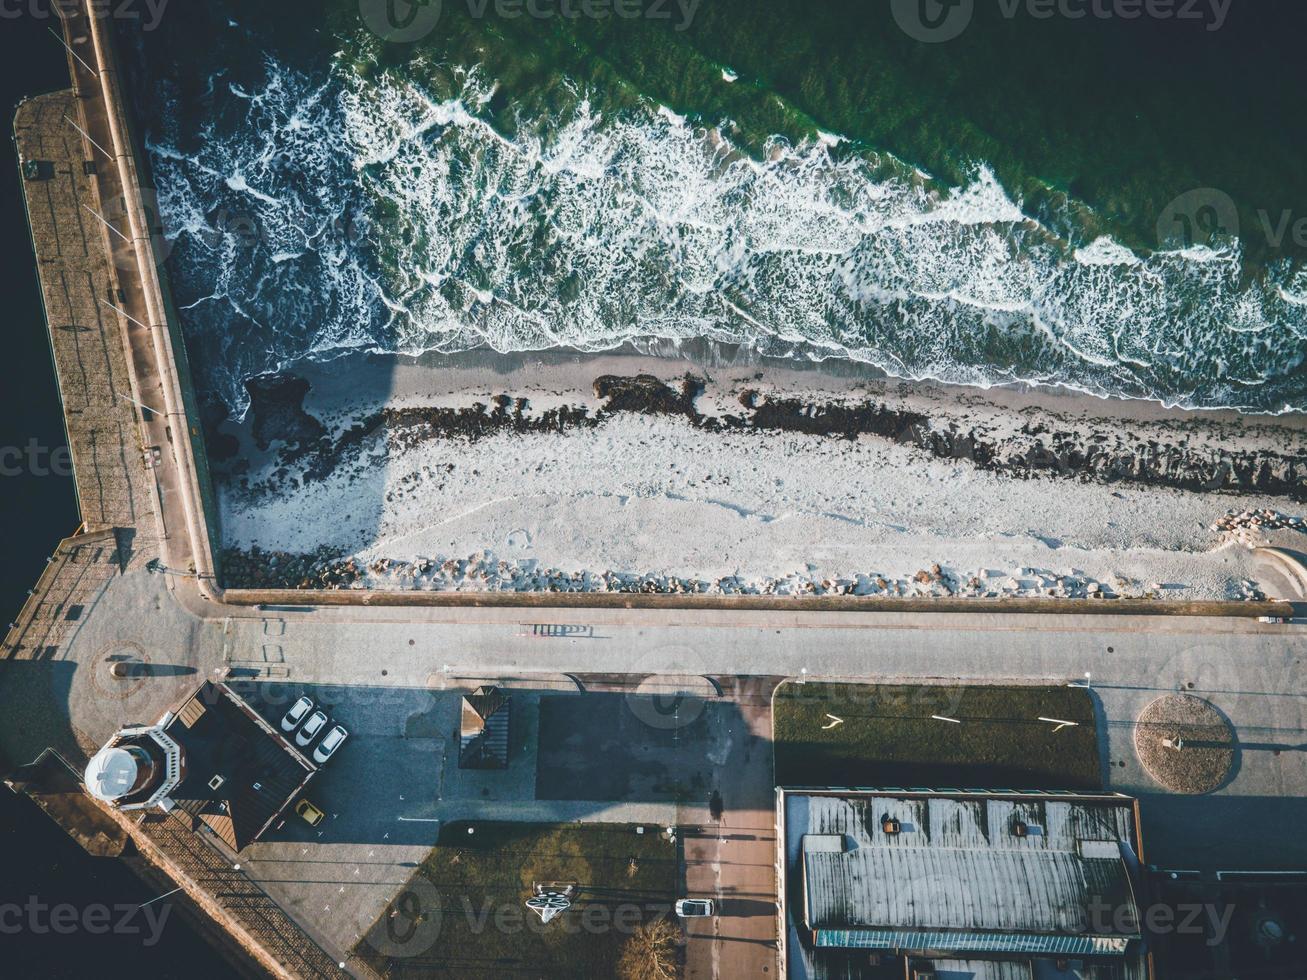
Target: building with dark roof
483, 730
214, 762
990, 885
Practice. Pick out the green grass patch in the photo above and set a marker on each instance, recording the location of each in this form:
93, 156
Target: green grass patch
463, 913
887, 736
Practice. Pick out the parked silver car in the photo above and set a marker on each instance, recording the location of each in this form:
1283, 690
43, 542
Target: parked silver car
311, 728
296, 714
329, 744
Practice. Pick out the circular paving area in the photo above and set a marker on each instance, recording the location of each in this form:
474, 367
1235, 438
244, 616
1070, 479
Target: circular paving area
1185, 743
137, 663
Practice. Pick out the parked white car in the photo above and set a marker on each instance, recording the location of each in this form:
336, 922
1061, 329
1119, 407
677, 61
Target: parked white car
691, 908
329, 744
311, 728
296, 714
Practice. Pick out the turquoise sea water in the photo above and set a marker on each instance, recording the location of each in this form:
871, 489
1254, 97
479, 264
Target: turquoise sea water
1107, 204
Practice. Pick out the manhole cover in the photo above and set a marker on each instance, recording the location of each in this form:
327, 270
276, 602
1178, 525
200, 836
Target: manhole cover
1185, 743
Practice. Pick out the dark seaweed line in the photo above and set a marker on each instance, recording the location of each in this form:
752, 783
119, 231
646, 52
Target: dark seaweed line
1060, 455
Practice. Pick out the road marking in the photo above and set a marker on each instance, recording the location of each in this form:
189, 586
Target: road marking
419, 819
1060, 723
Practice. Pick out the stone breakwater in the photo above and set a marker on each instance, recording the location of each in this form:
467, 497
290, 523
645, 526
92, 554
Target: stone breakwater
1101, 453
483, 572
1250, 527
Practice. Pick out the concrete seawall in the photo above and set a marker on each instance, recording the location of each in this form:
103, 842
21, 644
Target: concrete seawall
155, 348
830, 604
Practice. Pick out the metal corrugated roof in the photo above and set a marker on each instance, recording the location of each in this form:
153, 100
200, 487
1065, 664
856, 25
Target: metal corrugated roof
974, 865
956, 888
973, 822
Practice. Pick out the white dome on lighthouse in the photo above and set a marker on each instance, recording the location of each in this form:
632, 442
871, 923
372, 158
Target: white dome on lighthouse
112, 773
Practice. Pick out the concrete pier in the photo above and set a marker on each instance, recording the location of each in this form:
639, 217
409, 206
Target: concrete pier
139, 470
78, 282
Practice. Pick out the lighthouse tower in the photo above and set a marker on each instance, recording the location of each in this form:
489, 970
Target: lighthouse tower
137, 768
120, 771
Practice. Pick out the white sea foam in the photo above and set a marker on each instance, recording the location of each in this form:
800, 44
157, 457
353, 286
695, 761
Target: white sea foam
1106, 251
672, 117
589, 231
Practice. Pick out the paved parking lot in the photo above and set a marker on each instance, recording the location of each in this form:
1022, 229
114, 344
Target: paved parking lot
387, 790
608, 746
337, 877
393, 756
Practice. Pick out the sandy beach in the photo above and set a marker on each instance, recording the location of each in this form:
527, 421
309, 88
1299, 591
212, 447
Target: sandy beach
730, 474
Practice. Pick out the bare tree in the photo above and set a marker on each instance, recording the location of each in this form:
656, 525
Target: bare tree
650, 952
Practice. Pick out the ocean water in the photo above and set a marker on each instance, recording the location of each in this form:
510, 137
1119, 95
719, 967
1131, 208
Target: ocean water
532, 184
38, 501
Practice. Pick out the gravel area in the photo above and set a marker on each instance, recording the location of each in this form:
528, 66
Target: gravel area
1205, 757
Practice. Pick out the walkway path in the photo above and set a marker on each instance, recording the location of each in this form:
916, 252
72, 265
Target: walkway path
732, 857
77, 283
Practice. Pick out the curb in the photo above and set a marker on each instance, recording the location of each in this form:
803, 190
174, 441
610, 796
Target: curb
1288, 562
754, 603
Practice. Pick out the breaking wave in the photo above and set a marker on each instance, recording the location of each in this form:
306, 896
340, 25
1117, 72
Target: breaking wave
317, 216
